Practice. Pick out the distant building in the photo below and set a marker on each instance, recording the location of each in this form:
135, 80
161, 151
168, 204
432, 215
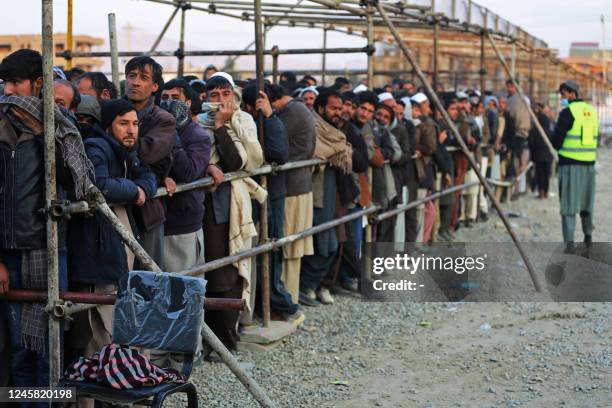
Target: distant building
82, 43
588, 56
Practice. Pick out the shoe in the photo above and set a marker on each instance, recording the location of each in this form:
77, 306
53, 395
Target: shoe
469, 223
296, 318
570, 248
325, 297
308, 298
484, 217
446, 236
339, 290
351, 285
588, 240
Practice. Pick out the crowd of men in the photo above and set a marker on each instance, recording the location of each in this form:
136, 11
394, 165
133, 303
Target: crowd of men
383, 147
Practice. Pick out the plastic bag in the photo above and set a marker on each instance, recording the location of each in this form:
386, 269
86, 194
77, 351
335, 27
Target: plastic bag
163, 311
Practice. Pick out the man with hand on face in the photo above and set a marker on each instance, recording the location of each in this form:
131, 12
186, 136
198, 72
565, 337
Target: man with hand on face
235, 147
121, 179
157, 136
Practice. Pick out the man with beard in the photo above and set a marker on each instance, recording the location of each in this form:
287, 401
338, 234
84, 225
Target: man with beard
299, 123
328, 108
346, 269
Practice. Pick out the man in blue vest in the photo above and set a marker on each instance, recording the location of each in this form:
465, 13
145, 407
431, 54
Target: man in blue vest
575, 137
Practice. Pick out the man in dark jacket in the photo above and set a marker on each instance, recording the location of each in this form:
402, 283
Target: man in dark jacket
22, 224
122, 179
97, 257
276, 150
540, 154
157, 135
299, 123
184, 238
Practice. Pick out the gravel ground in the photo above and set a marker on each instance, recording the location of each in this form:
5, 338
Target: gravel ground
373, 354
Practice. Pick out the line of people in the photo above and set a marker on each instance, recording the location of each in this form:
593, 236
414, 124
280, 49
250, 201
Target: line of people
383, 146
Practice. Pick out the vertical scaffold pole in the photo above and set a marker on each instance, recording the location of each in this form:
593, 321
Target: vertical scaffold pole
324, 57
69, 36
370, 35
112, 35
263, 219
50, 191
181, 50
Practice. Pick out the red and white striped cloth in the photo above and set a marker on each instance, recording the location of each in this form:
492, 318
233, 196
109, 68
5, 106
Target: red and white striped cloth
122, 368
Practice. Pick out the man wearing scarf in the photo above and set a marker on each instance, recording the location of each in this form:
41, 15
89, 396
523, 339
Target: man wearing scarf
183, 235
23, 254
331, 144
228, 223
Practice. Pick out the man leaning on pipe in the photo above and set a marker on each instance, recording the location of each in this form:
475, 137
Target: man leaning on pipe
23, 241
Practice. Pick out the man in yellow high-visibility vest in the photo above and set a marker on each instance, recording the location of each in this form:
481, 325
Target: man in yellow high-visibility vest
575, 137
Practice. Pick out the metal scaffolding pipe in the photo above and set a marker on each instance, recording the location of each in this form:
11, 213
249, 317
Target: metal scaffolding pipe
54, 345
21, 295
263, 213
370, 37
114, 53
210, 337
181, 54
163, 31
217, 53
462, 144
414, 204
323, 57
69, 36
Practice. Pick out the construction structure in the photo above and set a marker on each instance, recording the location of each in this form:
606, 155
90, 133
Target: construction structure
382, 21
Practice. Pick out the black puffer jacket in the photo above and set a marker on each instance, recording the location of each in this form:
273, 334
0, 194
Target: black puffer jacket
22, 189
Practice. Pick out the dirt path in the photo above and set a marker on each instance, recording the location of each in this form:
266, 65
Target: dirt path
364, 354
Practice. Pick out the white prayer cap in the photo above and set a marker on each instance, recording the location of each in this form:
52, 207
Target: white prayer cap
385, 96
419, 98
461, 95
360, 88
312, 89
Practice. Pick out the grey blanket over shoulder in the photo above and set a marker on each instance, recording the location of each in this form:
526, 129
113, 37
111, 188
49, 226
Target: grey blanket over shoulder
67, 137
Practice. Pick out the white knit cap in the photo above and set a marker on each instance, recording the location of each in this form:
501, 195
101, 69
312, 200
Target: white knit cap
224, 75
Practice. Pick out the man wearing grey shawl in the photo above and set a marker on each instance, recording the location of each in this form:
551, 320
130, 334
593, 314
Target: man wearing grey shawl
23, 253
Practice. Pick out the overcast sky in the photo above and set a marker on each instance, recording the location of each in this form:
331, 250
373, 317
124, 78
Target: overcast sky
558, 22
